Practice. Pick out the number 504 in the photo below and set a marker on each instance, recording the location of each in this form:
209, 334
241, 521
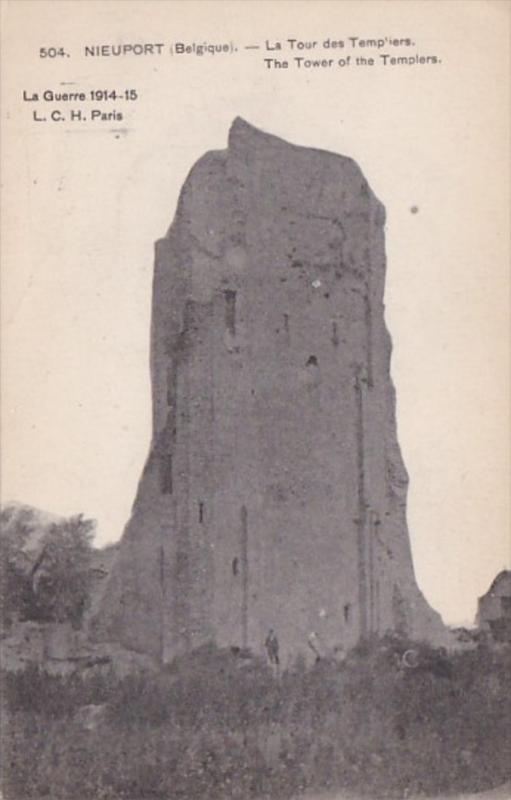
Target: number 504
52, 52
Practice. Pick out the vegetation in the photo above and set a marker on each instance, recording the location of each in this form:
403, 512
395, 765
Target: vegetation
221, 725
50, 581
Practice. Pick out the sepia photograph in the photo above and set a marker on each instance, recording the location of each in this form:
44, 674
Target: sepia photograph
255, 535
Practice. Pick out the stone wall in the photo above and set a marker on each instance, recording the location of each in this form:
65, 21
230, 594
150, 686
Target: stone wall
274, 494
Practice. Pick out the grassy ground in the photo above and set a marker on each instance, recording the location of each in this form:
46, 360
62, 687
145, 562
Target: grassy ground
218, 726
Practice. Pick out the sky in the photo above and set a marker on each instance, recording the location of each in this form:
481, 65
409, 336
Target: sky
83, 204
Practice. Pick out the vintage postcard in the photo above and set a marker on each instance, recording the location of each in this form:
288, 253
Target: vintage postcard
255, 399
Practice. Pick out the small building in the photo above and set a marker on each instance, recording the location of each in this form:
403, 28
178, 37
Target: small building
494, 608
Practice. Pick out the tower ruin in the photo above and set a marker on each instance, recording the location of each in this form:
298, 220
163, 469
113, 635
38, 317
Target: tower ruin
274, 493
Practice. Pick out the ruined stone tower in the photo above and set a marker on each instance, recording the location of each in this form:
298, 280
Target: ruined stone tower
274, 494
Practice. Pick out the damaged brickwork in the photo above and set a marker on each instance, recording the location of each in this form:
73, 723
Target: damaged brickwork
274, 494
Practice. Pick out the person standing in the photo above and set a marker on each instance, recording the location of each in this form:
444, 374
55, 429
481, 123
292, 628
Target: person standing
272, 648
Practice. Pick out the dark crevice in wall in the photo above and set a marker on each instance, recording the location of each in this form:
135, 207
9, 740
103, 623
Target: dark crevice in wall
162, 569
312, 361
361, 517
230, 311
369, 334
372, 606
377, 601
244, 577
335, 334
166, 482
201, 512
171, 386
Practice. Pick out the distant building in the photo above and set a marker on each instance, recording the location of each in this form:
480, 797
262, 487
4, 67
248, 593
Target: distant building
494, 608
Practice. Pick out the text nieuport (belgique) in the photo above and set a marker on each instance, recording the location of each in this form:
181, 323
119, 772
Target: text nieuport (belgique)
175, 48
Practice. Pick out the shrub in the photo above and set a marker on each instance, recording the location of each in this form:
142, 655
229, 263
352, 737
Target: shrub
51, 583
217, 725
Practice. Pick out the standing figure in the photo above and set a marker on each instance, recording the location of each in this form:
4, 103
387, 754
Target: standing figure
272, 647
